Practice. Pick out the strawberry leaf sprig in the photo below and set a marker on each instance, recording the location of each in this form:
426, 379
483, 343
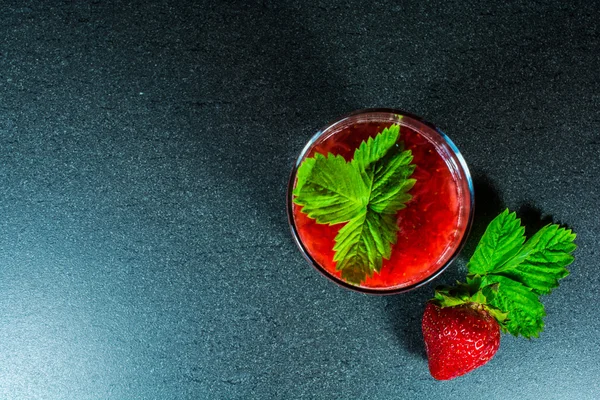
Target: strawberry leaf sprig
365, 194
507, 275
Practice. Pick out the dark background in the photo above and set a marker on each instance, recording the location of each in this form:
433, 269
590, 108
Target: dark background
145, 149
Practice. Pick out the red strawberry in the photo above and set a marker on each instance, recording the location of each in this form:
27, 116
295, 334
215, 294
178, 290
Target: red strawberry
458, 339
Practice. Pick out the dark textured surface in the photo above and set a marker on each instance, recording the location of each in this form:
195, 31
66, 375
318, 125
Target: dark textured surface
144, 154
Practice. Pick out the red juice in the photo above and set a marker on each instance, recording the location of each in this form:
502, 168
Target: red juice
431, 227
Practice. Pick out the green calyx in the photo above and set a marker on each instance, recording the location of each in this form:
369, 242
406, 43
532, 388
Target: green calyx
471, 294
365, 194
508, 275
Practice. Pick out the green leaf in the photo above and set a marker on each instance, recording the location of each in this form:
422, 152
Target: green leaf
541, 262
513, 275
386, 168
502, 239
391, 183
330, 190
374, 149
363, 243
524, 310
538, 264
366, 193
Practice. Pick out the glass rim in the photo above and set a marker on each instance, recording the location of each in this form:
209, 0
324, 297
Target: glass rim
462, 164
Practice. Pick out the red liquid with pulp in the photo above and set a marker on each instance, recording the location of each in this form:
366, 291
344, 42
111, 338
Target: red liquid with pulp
429, 227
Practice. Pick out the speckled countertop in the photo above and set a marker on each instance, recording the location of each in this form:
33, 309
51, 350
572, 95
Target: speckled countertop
145, 148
